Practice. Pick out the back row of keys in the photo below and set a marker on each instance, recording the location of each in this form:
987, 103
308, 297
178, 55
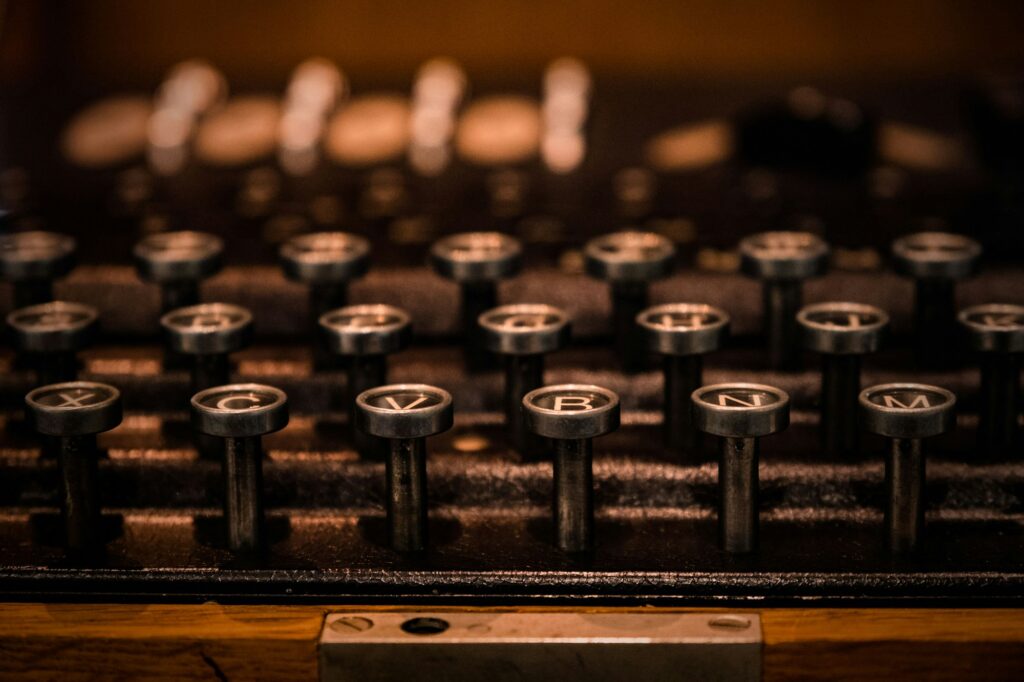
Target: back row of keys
326, 262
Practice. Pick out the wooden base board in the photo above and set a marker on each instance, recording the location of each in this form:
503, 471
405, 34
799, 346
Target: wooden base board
209, 642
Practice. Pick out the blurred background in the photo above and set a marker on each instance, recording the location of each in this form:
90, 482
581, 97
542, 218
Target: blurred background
703, 120
132, 43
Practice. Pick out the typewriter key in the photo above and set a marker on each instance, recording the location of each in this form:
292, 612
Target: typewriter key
32, 260
476, 260
366, 335
629, 261
906, 413
573, 415
405, 414
842, 333
241, 414
682, 333
51, 334
523, 333
936, 260
74, 413
208, 333
996, 333
739, 413
326, 262
178, 261
782, 260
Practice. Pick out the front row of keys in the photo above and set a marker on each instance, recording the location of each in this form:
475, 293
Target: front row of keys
570, 415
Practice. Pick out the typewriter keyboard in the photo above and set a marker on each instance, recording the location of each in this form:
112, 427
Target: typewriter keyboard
581, 340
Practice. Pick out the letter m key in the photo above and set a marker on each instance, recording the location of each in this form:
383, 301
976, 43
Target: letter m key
920, 400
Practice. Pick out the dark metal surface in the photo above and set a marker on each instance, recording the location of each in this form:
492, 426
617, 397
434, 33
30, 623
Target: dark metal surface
574, 495
243, 493
683, 374
840, 386
523, 373
904, 482
406, 472
738, 494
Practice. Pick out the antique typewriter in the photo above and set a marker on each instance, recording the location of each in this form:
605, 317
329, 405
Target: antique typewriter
562, 340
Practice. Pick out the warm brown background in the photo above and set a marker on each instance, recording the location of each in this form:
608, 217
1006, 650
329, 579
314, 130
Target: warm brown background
133, 41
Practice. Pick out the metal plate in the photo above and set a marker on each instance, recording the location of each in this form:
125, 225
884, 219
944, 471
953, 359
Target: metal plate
540, 646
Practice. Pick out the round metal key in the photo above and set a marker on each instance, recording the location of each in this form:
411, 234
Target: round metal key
208, 328
906, 413
76, 408
629, 256
840, 328
782, 260
523, 333
178, 256
240, 410
404, 411
996, 333
35, 255
571, 411
525, 329
573, 415
907, 410
682, 333
842, 332
783, 255
325, 257
936, 255
994, 327
740, 414
477, 256
741, 410
372, 329
684, 328
55, 327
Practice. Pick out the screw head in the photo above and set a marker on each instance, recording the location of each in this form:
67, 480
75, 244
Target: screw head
477, 256
841, 328
783, 255
629, 256
35, 255
525, 328
74, 408
348, 625
325, 257
55, 327
740, 410
684, 328
240, 410
404, 411
571, 411
907, 410
936, 255
994, 327
208, 328
374, 329
183, 256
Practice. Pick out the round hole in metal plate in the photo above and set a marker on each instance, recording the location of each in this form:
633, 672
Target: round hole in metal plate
425, 626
